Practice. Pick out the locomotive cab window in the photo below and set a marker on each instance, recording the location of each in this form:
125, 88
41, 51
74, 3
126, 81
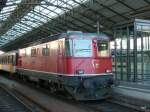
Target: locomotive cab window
102, 49
82, 48
68, 47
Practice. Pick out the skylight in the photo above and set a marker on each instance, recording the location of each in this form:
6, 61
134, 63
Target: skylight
42, 13
10, 6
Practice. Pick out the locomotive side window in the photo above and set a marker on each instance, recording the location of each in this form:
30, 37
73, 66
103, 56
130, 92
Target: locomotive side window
45, 51
68, 47
82, 48
33, 52
103, 49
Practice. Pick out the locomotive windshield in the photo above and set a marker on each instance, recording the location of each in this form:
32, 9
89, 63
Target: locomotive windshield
82, 48
103, 49
79, 48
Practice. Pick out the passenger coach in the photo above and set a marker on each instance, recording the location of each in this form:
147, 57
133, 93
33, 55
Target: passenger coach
8, 62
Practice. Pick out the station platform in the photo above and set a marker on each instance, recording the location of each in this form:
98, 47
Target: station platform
134, 93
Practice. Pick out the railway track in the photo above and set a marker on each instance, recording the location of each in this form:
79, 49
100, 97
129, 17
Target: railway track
109, 105
88, 106
17, 101
10, 103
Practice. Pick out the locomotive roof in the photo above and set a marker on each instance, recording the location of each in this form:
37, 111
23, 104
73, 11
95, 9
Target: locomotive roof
9, 53
101, 36
75, 34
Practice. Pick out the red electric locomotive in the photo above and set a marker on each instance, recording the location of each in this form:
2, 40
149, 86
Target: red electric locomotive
75, 62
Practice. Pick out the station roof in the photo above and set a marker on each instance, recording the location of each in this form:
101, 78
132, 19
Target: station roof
23, 21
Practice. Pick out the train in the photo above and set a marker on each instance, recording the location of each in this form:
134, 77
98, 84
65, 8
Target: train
75, 62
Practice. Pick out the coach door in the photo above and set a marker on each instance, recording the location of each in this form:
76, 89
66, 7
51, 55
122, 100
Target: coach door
60, 57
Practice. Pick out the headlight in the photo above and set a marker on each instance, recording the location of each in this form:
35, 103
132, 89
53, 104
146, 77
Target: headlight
108, 71
79, 71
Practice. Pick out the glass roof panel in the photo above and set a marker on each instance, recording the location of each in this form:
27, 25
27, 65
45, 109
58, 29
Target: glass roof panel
42, 13
10, 6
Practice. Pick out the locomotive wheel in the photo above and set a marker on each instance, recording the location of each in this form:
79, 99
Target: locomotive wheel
53, 87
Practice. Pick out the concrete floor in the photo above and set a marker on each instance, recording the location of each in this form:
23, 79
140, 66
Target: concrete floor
133, 93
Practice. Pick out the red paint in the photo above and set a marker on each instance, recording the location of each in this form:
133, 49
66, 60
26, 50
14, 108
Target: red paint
57, 62
89, 65
52, 63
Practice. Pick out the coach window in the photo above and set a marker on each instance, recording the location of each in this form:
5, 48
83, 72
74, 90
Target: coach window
14, 59
8, 59
68, 47
5, 59
2, 60
103, 49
